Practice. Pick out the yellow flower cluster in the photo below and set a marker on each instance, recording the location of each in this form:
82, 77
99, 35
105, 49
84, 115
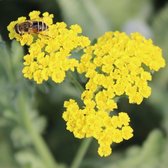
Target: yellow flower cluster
116, 65
119, 65
50, 50
88, 122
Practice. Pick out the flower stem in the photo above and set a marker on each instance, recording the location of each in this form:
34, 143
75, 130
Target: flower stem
37, 140
86, 142
81, 153
75, 82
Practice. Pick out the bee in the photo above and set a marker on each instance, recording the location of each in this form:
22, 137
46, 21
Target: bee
30, 27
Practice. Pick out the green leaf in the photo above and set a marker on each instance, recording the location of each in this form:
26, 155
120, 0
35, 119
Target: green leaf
85, 13
16, 52
160, 25
119, 12
28, 159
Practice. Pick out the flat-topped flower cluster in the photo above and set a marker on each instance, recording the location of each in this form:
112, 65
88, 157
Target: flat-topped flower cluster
50, 50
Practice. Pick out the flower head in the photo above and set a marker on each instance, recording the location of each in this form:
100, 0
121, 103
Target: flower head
50, 50
98, 124
120, 65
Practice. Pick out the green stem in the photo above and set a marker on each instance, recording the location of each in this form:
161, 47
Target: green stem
75, 82
86, 142
81, 153
37, 140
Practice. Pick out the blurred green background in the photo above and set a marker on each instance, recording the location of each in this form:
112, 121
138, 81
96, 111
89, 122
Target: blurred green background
23, 102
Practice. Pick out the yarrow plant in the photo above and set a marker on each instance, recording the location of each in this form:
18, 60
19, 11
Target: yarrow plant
116, 65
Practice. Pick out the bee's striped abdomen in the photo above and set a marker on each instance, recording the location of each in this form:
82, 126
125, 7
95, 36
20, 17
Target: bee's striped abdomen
39, 26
